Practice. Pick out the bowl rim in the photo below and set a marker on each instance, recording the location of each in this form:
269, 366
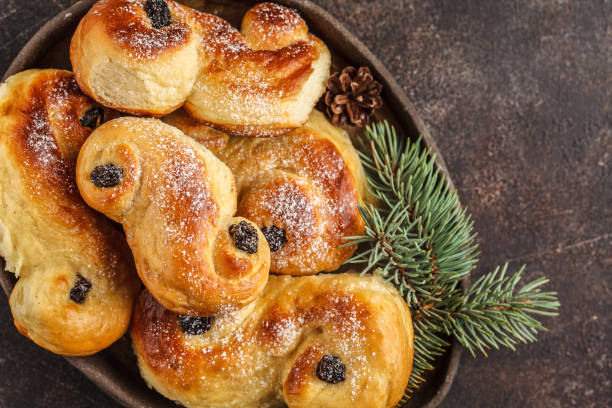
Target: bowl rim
404, 111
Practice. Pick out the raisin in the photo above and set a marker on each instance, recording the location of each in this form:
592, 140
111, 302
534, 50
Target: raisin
245, 237
158, 12
80, 289
331, 370
93, 117
106, 175
194, 324
275, 236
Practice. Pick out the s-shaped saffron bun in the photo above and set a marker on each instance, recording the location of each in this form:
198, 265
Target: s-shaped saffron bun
342, 341
77, 281
176, 203
149, 57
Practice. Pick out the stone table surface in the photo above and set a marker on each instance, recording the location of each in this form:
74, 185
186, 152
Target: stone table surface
517, 95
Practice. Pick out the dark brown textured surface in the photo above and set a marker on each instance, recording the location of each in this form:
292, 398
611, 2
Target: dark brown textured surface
517, 95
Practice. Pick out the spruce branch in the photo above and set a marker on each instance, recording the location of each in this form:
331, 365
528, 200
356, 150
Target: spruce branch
418, 237
494, 313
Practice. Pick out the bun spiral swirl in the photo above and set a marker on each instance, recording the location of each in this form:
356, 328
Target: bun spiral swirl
176, 203
319, 341
303, 190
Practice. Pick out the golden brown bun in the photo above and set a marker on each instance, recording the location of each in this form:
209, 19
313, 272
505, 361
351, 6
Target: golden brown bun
262, 82
176, 202
307, 183
49, 237
268, 353
122, 62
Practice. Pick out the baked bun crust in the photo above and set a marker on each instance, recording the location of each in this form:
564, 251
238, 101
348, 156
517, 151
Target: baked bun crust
272, 352
176, 203
123, 62
77, 280
303, 189
211, 138
262, 82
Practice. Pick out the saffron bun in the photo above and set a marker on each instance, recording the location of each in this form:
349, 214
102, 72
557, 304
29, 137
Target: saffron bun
302, 189
176, 203
340, 340
77, 280
150, 57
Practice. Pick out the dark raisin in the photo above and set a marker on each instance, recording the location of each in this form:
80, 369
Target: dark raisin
194, 324
275, 236
106, 175
80, 289
158, 12
331, 370
93, 117
245, 237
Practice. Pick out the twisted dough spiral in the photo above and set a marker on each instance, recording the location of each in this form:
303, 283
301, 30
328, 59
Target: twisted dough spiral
175, 200
77, 280
261, 81
272, 352
302, 189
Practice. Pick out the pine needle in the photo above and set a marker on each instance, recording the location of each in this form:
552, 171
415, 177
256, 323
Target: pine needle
421, 240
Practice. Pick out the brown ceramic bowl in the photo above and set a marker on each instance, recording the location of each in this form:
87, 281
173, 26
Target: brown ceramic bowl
114, 369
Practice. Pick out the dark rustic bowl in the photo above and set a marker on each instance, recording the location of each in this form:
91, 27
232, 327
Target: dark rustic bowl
114, 369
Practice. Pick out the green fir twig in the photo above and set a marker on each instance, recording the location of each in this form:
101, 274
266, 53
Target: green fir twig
418, 237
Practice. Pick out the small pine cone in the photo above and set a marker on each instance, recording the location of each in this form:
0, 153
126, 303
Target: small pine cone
352, 96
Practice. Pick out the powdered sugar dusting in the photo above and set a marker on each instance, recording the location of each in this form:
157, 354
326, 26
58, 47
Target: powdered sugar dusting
40, 140
246, 86
271, 21
221, 37
291, 204
52, 114
129, 25
300, 183
185, 204
175, 183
